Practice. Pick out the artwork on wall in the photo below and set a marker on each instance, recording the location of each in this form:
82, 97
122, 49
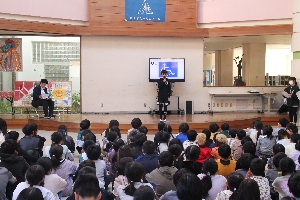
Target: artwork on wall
11, 55
61, 92
145, 10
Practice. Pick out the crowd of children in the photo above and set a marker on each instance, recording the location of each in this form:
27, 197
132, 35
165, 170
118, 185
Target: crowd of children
246, 164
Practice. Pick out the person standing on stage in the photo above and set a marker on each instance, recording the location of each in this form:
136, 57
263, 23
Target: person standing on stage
40, 98
292, 99
164, 93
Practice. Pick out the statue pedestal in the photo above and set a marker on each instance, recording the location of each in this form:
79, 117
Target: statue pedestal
239, 82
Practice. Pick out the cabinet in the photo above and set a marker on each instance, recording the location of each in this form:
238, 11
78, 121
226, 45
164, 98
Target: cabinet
279, 80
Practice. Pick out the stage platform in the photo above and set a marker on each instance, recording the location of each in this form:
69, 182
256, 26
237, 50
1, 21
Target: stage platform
99, 122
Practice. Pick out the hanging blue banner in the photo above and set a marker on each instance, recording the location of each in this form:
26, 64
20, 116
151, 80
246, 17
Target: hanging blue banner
145, 10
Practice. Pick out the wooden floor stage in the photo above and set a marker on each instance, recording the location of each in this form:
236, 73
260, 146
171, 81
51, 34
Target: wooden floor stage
99, 122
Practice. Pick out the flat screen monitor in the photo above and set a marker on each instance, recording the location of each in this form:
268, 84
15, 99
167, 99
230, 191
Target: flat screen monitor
174, 66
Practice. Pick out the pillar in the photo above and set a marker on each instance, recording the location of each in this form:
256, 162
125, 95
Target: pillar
224, 67
253, 71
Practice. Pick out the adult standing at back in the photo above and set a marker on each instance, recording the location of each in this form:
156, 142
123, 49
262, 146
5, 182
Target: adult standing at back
40, 98
292, 99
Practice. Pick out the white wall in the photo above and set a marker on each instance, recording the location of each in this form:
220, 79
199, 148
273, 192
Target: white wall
115, 71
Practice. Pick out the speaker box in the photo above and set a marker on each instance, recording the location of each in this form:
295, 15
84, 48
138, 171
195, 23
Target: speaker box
189, 107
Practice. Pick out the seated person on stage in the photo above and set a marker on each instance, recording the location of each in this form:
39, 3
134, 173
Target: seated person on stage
40, 98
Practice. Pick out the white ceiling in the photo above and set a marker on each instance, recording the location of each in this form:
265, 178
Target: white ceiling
224, 43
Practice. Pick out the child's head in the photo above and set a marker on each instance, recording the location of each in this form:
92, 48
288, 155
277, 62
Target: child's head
131, 134
139, 139
248, 190
93, 152
241, 134
249, 147
118, 143
46, 163
192, 152
224, 151
166, 159
160, 126
136, 123
225, 127
278, 148
277, 158
297, 146
87, 170
87, 163
207, 133
294, 184
201, 139
111, 136
62, 129
122, 165
232, 132
184, 128
220, 139
116, 129
148, 147
234, 180
143, 129
257, 124
85, 124
9, 146
90, 136
84, 133
287, 166
191, 134
245, 161
175, 150
28, 129
291, 128
124, 151
257, 167
57, 138
176, 141
213, 127
30, 193
246, 139
164, 137
134, 172
178, 175
87, 143
144, 192
56, 153
168, 128
210, 166
267, 130
282, 122
189, 187
86, 186
112, 123
14, 135
282, 134
35, 175
295, 138
35, 127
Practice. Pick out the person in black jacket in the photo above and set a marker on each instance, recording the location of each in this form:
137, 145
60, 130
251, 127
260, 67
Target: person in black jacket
292, 99
164, 93
38, 99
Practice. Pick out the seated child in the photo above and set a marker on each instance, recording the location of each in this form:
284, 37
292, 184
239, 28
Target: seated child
293, 184
225, 164
83, 155
220, 139
187, 160
282, 122
42, 139
287, 167
214, 183
162, 177
234, 180
225, 130
213, 128
237, 144
164, 141
256, 172
139, 140
296, 155
276, 149
182, 135
283, 137
243, 163
265, 142
208, 135
191, 134
273, 173
144, 193
232, 137
149, 159
84, 125
205, 151
68, 140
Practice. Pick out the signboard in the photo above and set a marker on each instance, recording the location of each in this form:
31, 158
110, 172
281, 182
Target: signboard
61, 92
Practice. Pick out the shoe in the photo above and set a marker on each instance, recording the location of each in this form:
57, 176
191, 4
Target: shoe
165, 120
46, 117
52, 116
161, 120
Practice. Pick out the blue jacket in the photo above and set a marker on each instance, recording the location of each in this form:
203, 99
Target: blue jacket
150, 162
182, 137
